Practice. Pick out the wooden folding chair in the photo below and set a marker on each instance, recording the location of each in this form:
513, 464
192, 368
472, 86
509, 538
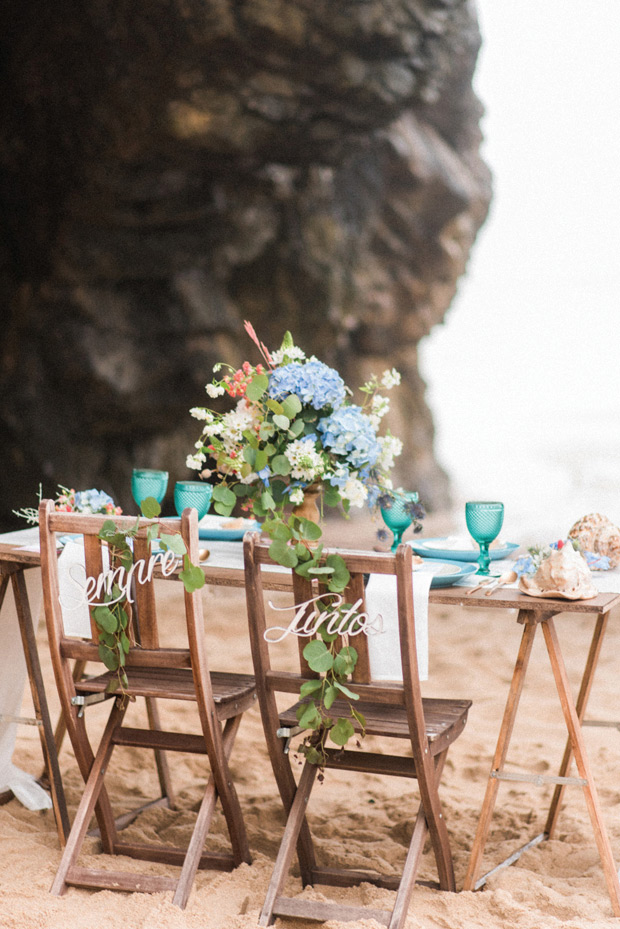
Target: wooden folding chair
153, 672
392, 709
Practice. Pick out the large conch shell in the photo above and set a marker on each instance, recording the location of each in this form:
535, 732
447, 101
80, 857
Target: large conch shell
596, 533
563, 574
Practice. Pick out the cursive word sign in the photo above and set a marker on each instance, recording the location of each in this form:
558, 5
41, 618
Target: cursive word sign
92, 590
306, 621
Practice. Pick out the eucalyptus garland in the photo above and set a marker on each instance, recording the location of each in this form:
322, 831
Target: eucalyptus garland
113, 616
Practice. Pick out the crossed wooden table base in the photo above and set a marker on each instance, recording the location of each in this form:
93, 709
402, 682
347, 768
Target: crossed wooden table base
531, 613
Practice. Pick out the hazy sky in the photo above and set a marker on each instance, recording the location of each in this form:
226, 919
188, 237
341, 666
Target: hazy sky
524, 377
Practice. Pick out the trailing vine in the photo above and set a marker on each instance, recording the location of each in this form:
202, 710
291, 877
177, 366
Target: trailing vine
112, 617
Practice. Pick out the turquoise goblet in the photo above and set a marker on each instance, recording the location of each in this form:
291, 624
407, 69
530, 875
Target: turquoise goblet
484, 520
146, 482
195, 494
397, 516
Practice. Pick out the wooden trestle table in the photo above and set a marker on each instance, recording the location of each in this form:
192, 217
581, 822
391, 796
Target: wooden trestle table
530, 612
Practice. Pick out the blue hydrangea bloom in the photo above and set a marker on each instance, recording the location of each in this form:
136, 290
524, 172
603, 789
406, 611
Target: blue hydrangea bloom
316, 384
94, 500
349, 433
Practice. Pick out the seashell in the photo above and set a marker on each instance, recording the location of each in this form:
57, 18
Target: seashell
564, 574
595, 533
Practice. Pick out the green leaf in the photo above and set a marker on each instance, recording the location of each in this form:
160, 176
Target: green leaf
125, 643
192, 576
267, 500
173, 542
283, 554
280, 465
224, 494
318, 656
341, 576
280, 531
345, 690
330, 695
345, 661
313, 755
274, 406
331, 495
152, 533
311, 531
342, 732
318, 570
109, 657
249, 455
105, 619
257, 387
261, 460
282, 422
359, 717
150, 507
308, 716
291, 406
222, 509
266, 430
242, 490
310, 687
296, 428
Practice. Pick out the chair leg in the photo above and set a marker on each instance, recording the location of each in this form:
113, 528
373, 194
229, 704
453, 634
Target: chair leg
203, 824
295, 820
414, 854
93, 788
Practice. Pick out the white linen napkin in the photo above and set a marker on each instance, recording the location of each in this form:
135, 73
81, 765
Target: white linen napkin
71, 582
384, 647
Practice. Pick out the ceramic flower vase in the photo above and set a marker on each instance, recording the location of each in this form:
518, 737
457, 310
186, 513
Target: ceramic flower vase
309, 508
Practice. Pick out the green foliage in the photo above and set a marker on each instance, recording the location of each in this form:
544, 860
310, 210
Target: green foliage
318, 695
112, 617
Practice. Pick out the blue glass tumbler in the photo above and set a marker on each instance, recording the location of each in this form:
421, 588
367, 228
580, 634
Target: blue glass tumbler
148, 483
196, 494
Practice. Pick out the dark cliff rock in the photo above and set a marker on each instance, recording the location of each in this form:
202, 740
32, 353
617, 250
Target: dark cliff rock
169, 169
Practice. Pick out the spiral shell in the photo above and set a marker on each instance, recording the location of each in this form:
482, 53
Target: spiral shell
596, 533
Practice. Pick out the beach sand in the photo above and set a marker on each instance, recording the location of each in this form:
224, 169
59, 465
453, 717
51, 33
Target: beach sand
359, 820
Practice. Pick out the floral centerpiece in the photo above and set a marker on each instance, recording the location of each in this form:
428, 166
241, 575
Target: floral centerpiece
294, 428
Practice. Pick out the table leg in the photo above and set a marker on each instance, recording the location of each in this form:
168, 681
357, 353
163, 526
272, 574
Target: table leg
39, 700
505, 734
581, 705
582, 762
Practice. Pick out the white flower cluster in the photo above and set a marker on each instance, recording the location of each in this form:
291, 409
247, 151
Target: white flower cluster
390, 379
378, 409
290, 354
306, 462
354, 491
214, 390
391, 447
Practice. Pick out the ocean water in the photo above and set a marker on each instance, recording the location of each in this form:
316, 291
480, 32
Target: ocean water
524, 376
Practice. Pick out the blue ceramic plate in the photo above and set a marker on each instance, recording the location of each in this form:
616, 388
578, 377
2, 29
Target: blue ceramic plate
434, 550
224, 528
449, 571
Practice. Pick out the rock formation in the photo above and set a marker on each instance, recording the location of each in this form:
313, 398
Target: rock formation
170, 169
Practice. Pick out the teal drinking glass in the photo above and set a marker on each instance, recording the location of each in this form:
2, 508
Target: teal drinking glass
148, 483
484, 520
195, 494
397, 516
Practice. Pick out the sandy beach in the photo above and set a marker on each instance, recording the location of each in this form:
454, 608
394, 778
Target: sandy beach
359, 820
